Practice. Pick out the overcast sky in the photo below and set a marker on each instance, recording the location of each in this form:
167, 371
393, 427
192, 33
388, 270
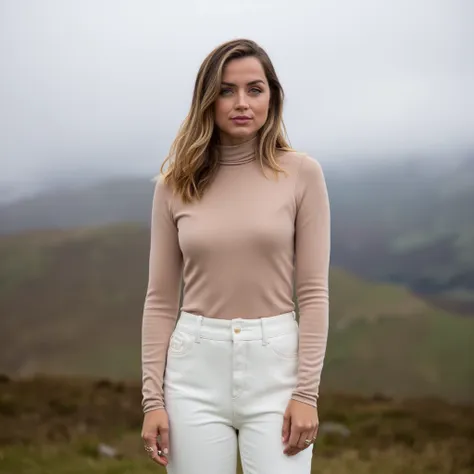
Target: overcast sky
94, 85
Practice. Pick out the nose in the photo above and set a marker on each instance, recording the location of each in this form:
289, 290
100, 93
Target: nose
241, 102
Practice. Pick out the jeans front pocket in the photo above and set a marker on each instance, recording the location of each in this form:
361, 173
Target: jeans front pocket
181, 343
285, 345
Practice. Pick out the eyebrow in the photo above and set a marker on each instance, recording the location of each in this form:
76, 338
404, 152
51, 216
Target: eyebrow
251, 83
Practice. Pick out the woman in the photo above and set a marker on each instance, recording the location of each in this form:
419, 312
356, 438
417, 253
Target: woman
237, 369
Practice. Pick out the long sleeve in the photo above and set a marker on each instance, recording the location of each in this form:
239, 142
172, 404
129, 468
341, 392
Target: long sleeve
312, 258
162, 297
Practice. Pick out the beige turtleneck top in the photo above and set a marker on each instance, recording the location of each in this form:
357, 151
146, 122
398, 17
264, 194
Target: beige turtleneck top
238, 250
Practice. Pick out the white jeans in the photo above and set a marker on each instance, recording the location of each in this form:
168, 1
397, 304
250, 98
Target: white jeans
227, 375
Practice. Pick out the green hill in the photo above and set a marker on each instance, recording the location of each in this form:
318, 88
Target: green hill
408, 220
71, 303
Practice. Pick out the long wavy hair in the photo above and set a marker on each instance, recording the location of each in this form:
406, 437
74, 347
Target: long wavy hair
193, 159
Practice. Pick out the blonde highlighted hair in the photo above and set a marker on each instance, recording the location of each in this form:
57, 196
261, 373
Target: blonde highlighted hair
193, 159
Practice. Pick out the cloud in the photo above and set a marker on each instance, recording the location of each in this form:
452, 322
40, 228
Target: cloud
104, 84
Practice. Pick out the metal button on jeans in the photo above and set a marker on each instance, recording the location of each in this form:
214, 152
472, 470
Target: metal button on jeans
237, 330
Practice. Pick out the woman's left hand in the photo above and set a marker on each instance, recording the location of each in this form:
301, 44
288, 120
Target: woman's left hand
300, 422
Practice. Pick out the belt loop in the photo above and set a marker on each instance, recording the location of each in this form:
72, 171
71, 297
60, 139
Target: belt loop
264, 332
197, 336
294, 315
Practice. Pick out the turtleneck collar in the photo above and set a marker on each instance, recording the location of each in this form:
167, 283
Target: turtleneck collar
237, 154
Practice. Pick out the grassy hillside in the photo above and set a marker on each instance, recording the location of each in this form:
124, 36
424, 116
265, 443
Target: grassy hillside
55, 426
71, 303
410, 222
404, 220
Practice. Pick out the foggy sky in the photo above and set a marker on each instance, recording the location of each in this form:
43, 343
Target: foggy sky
102, 85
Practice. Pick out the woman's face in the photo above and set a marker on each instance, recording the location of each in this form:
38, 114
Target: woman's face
242, 106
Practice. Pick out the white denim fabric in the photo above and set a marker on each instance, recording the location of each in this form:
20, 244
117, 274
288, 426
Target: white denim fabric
227, 375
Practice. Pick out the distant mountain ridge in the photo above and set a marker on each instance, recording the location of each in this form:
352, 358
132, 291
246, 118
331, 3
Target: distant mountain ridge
409, 221
108, 202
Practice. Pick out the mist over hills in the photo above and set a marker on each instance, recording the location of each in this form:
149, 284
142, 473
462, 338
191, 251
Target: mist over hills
406, 221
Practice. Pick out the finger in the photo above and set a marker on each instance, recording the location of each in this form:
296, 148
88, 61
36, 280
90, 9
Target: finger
293, 441
305, 435
151, 441
314, 434
154, 457
165, 440
160, 454
161, 460
285, 430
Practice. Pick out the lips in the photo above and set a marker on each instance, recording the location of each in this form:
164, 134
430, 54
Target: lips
241, 119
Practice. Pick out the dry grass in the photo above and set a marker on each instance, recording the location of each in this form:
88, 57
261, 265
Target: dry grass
54, 426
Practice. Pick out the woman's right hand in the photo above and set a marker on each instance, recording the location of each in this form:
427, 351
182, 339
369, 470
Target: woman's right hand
155, 424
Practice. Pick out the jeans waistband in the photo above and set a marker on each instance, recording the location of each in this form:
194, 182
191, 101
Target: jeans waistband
242, 329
